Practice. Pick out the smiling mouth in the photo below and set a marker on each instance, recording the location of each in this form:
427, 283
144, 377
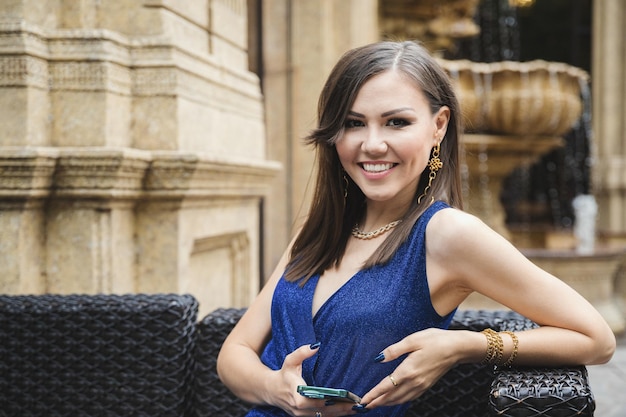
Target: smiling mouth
377, 167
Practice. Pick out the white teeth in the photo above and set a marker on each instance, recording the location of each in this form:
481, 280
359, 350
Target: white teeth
377, 167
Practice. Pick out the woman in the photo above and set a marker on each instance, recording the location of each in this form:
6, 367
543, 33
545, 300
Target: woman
363, 297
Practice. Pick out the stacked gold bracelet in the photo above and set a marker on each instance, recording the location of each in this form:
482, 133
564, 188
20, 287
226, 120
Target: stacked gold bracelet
515, 347
495, 348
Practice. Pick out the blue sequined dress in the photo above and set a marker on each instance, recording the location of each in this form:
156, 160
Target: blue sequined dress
374, 309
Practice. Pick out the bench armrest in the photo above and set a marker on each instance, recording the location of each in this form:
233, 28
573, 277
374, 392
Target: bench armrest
541, 392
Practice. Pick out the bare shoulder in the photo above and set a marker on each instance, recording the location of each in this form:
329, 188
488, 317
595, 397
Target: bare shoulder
453, 215
453, 234
451, 225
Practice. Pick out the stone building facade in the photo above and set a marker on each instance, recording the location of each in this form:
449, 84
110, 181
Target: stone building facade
155, 145
133, 151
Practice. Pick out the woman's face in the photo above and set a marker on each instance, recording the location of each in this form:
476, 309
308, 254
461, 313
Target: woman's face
389, 133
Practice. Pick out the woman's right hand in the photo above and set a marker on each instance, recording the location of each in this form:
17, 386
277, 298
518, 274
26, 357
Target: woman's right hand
283, 387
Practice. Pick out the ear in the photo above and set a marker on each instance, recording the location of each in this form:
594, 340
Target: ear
441, 119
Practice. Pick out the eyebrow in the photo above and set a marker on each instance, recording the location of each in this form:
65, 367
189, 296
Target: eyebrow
400, 110
385, 114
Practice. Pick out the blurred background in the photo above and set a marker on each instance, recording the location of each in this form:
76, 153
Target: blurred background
156, 145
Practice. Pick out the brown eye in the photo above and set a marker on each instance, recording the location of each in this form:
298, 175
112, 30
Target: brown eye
351, 123
398, 123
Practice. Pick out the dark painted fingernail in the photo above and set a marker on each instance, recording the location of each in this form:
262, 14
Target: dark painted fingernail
315, 345
380, 357
329, 402
360, 408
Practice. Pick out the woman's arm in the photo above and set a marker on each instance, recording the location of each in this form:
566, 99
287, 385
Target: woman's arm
464, 255
468, 256
238, 363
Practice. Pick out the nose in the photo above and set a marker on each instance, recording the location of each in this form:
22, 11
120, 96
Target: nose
373, 142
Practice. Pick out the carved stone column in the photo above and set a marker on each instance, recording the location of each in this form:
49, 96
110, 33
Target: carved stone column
609, 115
609, 127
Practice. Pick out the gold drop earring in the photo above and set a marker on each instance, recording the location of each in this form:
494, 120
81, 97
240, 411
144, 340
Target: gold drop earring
435, 165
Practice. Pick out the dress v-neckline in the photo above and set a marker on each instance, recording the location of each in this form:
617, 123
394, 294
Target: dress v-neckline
327, 301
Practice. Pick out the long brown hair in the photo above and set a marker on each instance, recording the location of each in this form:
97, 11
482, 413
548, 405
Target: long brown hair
338, 203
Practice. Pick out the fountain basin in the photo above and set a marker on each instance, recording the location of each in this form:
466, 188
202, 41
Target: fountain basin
538, 97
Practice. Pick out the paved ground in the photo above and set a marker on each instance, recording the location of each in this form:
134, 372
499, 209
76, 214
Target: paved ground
608, 383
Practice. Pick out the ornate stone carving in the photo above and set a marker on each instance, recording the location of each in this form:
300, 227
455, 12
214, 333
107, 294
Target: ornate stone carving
100, 173
26, 173
99, 60
89, 45
116, 173
17, 37
90, 76
154, 81
23, 71
180, 174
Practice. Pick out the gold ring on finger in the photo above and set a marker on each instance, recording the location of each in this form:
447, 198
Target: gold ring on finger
393, 381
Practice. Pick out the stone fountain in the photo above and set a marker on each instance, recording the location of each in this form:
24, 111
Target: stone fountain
514, 113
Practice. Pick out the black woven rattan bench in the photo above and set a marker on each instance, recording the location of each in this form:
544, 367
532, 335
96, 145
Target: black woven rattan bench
100, 355
466, 391
147, 355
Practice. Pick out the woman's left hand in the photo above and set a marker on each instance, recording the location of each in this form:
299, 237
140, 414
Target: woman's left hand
431, 353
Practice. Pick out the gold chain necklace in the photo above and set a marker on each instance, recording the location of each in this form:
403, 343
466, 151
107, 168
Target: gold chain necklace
360, 234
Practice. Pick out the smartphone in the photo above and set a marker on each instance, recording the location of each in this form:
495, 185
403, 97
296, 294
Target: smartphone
328, 393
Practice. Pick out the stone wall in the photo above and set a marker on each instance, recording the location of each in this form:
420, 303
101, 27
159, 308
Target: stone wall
133, 149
